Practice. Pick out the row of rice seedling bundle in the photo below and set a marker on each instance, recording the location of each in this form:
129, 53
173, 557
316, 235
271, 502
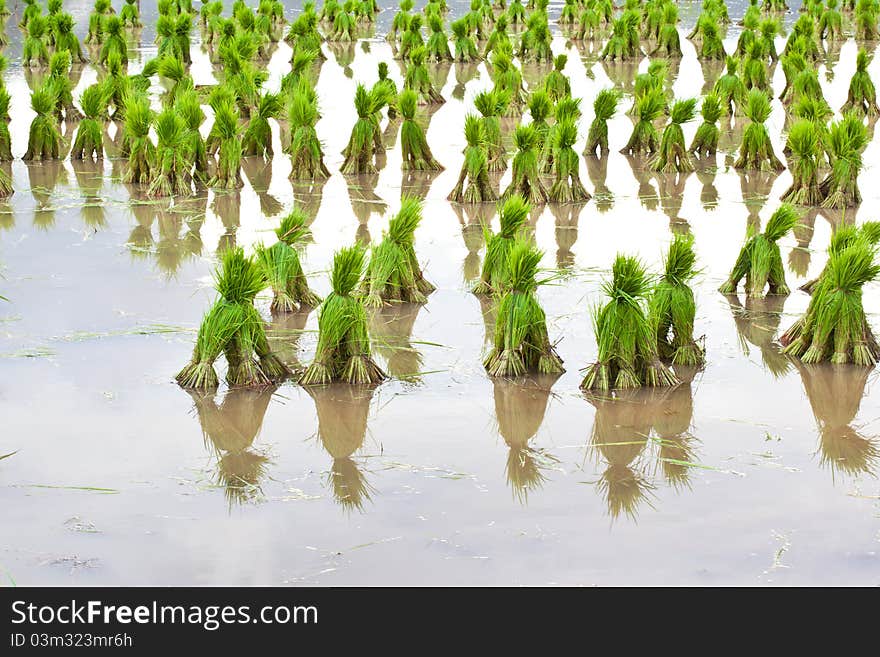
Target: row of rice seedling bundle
393, 273
283, 269
759, 261
233, 327
628, 355
644, 139
862, 94
566, 112
521, 342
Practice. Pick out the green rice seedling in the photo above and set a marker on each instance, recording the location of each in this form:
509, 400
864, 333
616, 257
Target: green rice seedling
866, 20
66, 39
711, 47
89, 141
624, 41
417, 78
34, 51
499, 37
759, 260
521, 343
768, 30
283, 269
476, 19
803, 37
233, 327
344, 26
513, 213
755, 74
6, 189
835, 327
556, 84
705, 142
173, 159
567, 110
306, 153
644, 139
114, 41
389, 91
473, 184
130, 13
257, 138
756, 150
589, 23
567, 186
673, 156
842, 238
360, 149
806, 149
141, 151
672, 307
172, 70
343, 351
465, 48
189, 107
806, 85
400, 22
491, 105
862, 95
393, 273
59, 78
226, 127
604, 108
628, 356
847, 139
411, 39
101, 10
438, 42
44, 138
415, 151
5, 137
31, 9
526, 181
744, 42
172, 35
540, 107
668, 41
730, 88
516, 12
831, 22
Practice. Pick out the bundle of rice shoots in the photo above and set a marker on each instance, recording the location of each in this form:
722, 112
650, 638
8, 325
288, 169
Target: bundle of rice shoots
89, 140
644, 139
521, 343
756, 150
526, 181
567, 186
512, 215
306, 153
415, 151
473, 184
44, 138
283, 269
673, 156
846, 139
862, 95
843, 237
759, 260
604, 108
343, 351
806, 149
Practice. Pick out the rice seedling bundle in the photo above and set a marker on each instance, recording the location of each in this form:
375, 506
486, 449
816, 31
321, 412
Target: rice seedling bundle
644, 139
862, 95
711, 47
589, 23
390, 90
843, 237
756, 150
512, 215
417, 78
835, 327
521, 343
516, 13
44, 138
34, 51
101, 9
673, 156
59, 78
306, 153
668, 41
672, 307
303, 34
831, 22
233, 327
745, 40
473, 184
705, 142
172, 70
189, 107
628, 356
604, 108
438, 43
114, 42
498, 38
508, 77
540, 106
569, 12
415, 151
806, 85
536, 40
847, 139
283, 269
257, 138
557, 84
476, 20
866, 22
361, 145
491, 105
31, 9
89, 141
6, 189
393, 272
130, 13
755, 74
759, 260
411, 39
65, 39
567, 186
730, 88
400, 22
173, 158
226, 128
465, 48
567, 111
624, 41
526, 181
173, 36
806, 150
5, 138
343, 351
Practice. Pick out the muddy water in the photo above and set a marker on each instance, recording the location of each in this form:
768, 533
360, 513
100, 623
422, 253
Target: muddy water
755, 471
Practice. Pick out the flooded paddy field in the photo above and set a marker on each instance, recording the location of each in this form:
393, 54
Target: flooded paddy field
756, 470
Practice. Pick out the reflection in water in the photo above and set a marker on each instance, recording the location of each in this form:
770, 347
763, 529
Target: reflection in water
439, 74
307, 197
343, 53
671, 189
259, 174
474, 220
520, 406
755, 187
708, 193
417, 183
230, 428
757, 324
712, 70
621, 72
227, 207
44, 177
284, 333
835, 393
464, 73
90, 181
648, 195
799, 257
391, 337
365, 202
597, 170
674, 415
566, 218
343, 410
